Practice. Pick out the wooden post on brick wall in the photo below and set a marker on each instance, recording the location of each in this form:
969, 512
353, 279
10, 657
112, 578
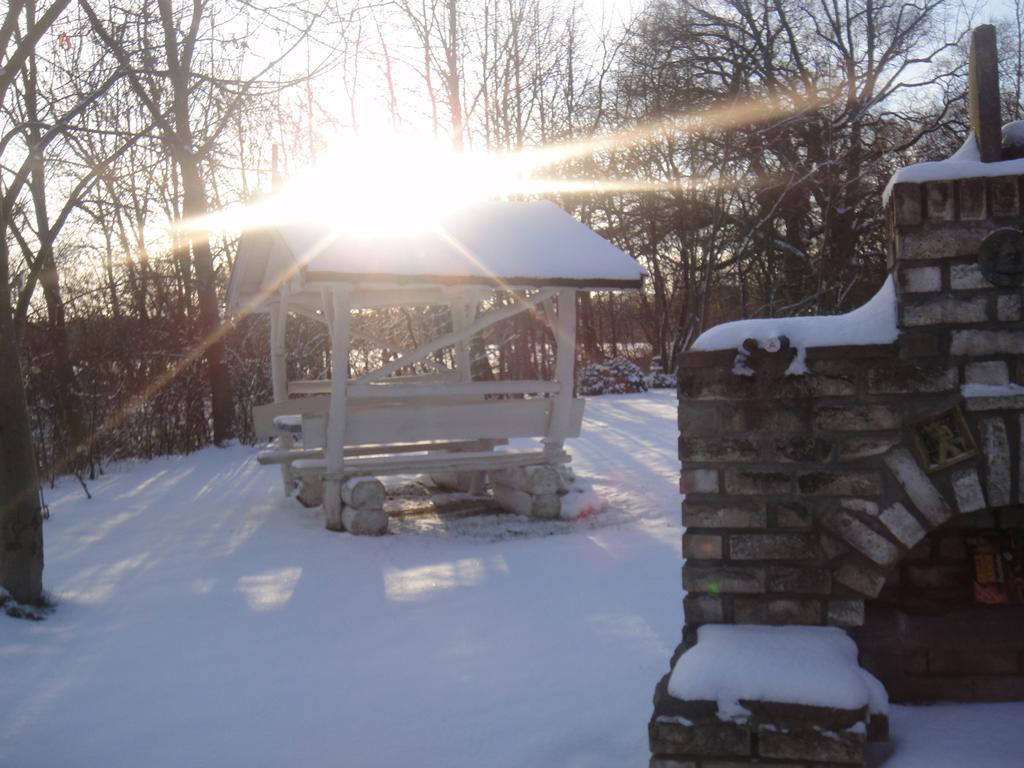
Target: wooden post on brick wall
983, 93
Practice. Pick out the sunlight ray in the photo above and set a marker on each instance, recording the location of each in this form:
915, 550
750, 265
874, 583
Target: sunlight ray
394, 186
741, 112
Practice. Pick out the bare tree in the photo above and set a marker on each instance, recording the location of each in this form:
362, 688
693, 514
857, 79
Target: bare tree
21, 524
772, 128
192, 102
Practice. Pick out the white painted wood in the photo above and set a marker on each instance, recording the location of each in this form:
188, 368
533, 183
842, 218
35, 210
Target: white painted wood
377, 295
279, 375
323, 386
400, 391
274, 456
263, 415
490, 318
363, 493
314, 430
484, 420
425, 421
309, 387
299, 309
446, 418
460, 319
559, 427
271, 456
400, 465
334, 453
285, 302
328, 310
278, 371
370, 297
463, 312
279, 267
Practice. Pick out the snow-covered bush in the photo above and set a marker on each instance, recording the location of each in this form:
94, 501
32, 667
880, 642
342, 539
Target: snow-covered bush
658, 378
661, 380
616, 376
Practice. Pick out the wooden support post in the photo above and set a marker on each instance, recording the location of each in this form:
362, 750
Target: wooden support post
278, 351
334, 450
983, 94
279, 376
467, 482
459, 322
565, 365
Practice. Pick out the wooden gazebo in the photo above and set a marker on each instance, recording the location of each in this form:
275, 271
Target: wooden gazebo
446, 423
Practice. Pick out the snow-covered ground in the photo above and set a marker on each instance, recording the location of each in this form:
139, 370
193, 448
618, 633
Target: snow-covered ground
204, 620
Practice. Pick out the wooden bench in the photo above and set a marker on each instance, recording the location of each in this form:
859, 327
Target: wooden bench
453, 462
314, 457
385, 436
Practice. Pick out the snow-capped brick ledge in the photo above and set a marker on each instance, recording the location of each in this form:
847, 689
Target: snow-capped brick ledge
758, 692
806, 488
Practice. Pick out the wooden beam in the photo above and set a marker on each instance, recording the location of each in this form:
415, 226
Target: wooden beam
983, 94
328, 312
453, 418
481, 388
565, 366
492, 317
374, 298
482, 460
335, 445
279, 374
271, 456
309, 387
278, 351
460, 320
323, 386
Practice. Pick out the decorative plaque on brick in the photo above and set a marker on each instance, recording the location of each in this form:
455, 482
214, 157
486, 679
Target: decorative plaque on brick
943, 440
1001, 259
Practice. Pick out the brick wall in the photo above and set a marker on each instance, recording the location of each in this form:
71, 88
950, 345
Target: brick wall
926, 636
806, 493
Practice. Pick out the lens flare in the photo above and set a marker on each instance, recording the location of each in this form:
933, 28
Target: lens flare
391, 185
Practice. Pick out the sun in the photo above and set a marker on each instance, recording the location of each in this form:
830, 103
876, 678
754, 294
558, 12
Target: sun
391, 186
377, 187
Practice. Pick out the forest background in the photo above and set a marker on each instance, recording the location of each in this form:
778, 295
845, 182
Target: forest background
737, 148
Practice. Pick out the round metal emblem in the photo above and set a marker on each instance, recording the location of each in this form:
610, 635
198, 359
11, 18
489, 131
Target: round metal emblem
1001, 258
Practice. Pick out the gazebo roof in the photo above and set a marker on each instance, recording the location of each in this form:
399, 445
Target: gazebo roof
493, 244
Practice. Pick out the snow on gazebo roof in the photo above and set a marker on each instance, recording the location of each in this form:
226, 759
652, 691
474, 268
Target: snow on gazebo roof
493, 243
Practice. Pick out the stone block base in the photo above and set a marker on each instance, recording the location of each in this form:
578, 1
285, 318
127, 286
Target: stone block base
694, 734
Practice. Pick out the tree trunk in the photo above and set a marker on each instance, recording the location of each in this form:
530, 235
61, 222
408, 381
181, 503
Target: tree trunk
452, 80
69, 407
194, 206
21, 519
